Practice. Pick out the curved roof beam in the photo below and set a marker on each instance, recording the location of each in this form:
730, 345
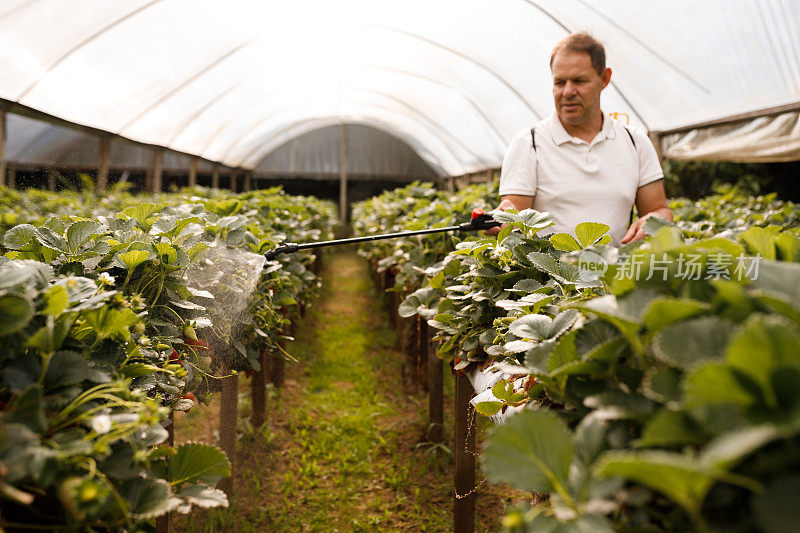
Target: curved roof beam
425, 117
461, 93
552, 17
21, 5
200, 111
86, 41
465, 57
239, 111
647, 47
408, 138
323, 122
227, 151
182, 85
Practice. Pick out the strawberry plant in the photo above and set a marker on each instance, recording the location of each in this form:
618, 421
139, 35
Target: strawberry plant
105, 331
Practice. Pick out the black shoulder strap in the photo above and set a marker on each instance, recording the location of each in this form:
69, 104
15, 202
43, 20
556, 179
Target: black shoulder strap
533, 137
631, 136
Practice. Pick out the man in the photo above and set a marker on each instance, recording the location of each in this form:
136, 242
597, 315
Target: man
583, 166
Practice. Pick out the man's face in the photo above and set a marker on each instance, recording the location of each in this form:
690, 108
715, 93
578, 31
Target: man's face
577, 87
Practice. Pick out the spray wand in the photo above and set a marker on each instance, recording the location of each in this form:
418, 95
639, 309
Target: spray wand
478, 221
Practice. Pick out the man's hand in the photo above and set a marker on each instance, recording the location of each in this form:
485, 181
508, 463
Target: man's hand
511, 201
652, 202
636, 231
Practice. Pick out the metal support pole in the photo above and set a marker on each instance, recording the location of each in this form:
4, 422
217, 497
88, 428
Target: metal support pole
105, 164
155, 184
192, 182
343, 178
3, 134
215, 177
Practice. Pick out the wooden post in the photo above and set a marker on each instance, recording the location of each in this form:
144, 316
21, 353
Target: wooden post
435, 391
422, 352
215, 177
232, 183
51, 180
192, 182
155, 183
3, 134
278, 367
451, 184
464, 458
11, 177
343, 179
229, 407
248, 181
259, 393
105, 164
164, 522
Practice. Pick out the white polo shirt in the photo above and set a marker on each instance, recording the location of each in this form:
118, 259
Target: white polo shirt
578, 181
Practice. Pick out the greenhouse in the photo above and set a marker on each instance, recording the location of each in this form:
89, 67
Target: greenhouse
521, 265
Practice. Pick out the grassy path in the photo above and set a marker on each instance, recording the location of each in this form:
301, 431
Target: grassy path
341, 450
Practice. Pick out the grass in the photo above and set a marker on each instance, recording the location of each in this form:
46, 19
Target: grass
342, 449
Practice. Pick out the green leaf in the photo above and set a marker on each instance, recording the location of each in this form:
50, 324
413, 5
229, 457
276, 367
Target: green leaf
590, 439
532, 326
166, 253
15, 313
717, 384
728, 449
760, 241
204, 496
776, 508
66, 368
544, 262
763, 345
28, 410
130, 260
198, 462
80, 232
536, 219
682, 479
542, 327
565, 242
28, 272
56, 299
109, 322
788, 247
19, 236
148, 497
532, 451
663, 312
691, 342
671, 428
51, 239
488, 408
662, 385
589, 232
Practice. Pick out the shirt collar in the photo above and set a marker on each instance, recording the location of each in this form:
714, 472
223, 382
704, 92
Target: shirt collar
561, 136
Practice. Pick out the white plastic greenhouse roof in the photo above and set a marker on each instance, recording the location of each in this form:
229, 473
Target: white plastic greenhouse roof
456, 79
